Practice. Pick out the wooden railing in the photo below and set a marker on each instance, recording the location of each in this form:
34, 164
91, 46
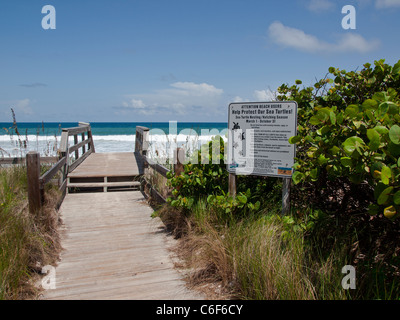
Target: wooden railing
65, 150
22, 160
155, 174
142, 140
81, 150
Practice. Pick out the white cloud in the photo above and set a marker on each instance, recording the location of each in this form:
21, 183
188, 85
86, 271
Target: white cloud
298, 39
264, 95
238, 99
320, 5
179, 98
381, 4
135, 104
21, 106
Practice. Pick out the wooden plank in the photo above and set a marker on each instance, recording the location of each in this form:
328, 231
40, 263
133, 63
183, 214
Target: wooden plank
45, 178
113, 249
33, 172
64, 141
22, 160
79, 145
80, 160
159, 168
77, 130
114, 164
75, 149
179, 160
104, 184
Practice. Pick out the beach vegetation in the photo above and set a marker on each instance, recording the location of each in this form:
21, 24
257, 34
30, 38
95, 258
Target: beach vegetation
344, 201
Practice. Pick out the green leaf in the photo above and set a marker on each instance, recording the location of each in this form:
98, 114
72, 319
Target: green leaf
297, 177
396, 198
321, 117
394, 134
339, 118
374, 138
384, 196
353, 143
390, 212
241, 198
381, 130
396, 68
346, 161
314, 173
295, 139
370, 104
334, 150
386, 174
383, 109
393, 108
332, 117
351, 111
322, 160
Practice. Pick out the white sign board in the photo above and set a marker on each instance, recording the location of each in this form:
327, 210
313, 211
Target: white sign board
258, 138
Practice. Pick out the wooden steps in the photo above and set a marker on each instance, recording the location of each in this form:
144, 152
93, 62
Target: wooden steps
87, 185
105, 172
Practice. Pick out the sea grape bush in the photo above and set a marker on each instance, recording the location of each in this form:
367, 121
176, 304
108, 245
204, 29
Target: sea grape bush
204, 179
200, 178
349, 126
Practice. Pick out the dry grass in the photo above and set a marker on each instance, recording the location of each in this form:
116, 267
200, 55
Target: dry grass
27, 242
252, 258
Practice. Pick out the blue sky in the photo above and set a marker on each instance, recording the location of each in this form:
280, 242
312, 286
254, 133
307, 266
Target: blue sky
183, 60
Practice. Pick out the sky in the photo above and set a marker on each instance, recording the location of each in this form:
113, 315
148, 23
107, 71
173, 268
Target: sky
177, 60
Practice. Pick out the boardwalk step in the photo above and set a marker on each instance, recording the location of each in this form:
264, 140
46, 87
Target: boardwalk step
104, 184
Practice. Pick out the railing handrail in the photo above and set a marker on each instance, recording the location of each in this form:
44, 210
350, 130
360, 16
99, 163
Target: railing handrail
66, 150
33, 159
142, 140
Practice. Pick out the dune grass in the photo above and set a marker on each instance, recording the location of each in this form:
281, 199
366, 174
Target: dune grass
251, 258
27, 242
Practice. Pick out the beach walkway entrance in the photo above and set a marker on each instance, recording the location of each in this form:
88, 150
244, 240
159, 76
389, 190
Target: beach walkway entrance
112, 247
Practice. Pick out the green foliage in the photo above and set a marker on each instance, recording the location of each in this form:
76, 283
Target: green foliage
348, 126
200, 178
228, 204
206, 177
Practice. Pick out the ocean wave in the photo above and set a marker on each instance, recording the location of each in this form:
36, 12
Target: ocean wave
48, 145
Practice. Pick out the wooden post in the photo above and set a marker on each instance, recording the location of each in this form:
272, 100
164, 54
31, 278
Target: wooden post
232, 184
83, 147
179, 160
76, 151
286, 195
33, 175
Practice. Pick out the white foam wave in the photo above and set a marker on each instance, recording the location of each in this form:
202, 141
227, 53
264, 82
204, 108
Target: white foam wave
48, 145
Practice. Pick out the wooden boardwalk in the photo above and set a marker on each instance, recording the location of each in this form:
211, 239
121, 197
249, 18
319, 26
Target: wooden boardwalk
107, 171
113, 249
112, 164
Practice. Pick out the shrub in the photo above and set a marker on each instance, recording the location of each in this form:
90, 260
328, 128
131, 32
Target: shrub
352, 130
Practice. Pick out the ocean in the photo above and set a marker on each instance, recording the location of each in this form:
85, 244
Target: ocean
108, 136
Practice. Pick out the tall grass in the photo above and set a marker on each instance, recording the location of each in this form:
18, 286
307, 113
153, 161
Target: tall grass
26, 242
252, 257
